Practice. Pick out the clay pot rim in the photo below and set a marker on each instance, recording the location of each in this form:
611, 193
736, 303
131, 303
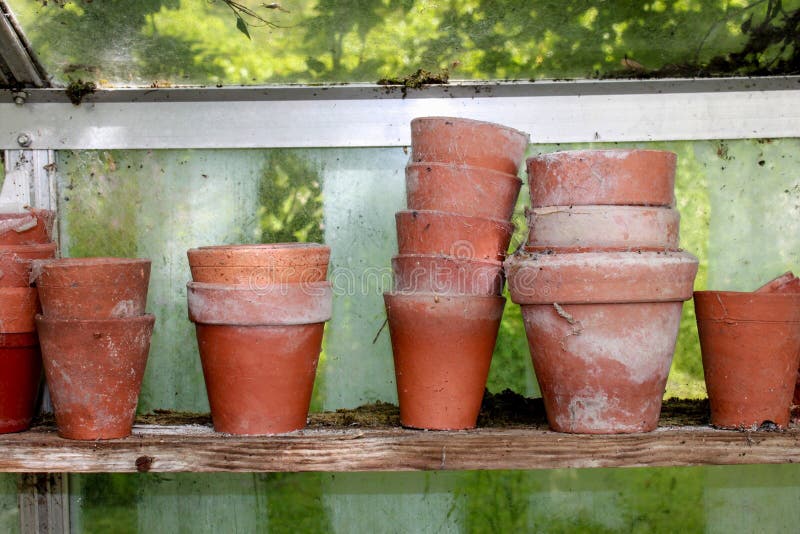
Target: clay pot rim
446, 257
492, 173
522, 258
144, 318
546, 210
91, 261
260, 246
417, 120
34, 247
545, 250
450, 215
611, 153
15, 340
430, 295
212, 286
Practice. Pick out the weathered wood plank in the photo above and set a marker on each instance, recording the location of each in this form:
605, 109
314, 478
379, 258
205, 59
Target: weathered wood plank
198, 449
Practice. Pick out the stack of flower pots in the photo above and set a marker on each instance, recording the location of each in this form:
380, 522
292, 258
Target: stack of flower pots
445, 310
751, 351
601, 282
23, 237
259, 313
95, 338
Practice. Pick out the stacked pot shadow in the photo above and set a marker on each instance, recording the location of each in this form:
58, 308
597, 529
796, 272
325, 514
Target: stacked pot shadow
601, 282
751, 351
259, 313
24, 237
95, 339
445, 310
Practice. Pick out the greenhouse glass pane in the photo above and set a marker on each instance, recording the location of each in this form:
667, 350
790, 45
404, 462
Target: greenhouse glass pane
9, 504
170, 42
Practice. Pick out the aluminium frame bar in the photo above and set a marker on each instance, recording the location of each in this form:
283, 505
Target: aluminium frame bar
361, 115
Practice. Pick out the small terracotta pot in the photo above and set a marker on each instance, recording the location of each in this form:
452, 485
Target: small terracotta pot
562, 228
785, 283
281, 304
20, 378
260, 265
468, 142
15, 262
92, 288
420, 273
29, 228
471, 191
620, 177
442, 347
94, 369
18, 307
751, 352
437, 232
259, 378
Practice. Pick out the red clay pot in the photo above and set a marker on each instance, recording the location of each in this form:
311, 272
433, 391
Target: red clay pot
751, 352
468, 142
437, 232
442, 347
420, 273
280, 304
92, 288
785, 283
259, 378
584, 177
29, 228
562, 228
260, 265
20, 377
15, 262
94, 370
18, 307
471, 191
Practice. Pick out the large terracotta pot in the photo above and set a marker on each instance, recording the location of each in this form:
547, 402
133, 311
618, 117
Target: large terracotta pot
751, 351
445, 274
575, 228
15, 262
437, 232
94, 369
471, 191
31, 227
468, 142
92, 288
442, 347
619, 176
18, 307
20, 378
601, 329
260, 265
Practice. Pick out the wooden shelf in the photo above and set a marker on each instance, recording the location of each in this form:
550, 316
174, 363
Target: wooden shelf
358, 440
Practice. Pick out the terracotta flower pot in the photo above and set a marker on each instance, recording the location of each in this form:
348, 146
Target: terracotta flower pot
468, 142
471, 191
576, 228
260, 265
442, 347
584, 177
29, 228
751, 352
437, 232
20, 378
18, 307
94, 369
785, 283
601, 329
15, 262
259, 378
420, 273
92, 288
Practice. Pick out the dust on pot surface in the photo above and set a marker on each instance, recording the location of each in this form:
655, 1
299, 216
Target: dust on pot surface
751, 350
18, 307
34, 226
94, 369
437, 232
603, 227
431, 273
259, 265
15, 262
468, 142
471, 191
442, 346
20, 378
616, 176
92, 288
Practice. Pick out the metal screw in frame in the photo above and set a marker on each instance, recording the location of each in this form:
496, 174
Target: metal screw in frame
24, 140
20, 97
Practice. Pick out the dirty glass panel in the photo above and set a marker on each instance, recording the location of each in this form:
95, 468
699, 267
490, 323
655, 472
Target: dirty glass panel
160, 203
9, 504
169, 42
